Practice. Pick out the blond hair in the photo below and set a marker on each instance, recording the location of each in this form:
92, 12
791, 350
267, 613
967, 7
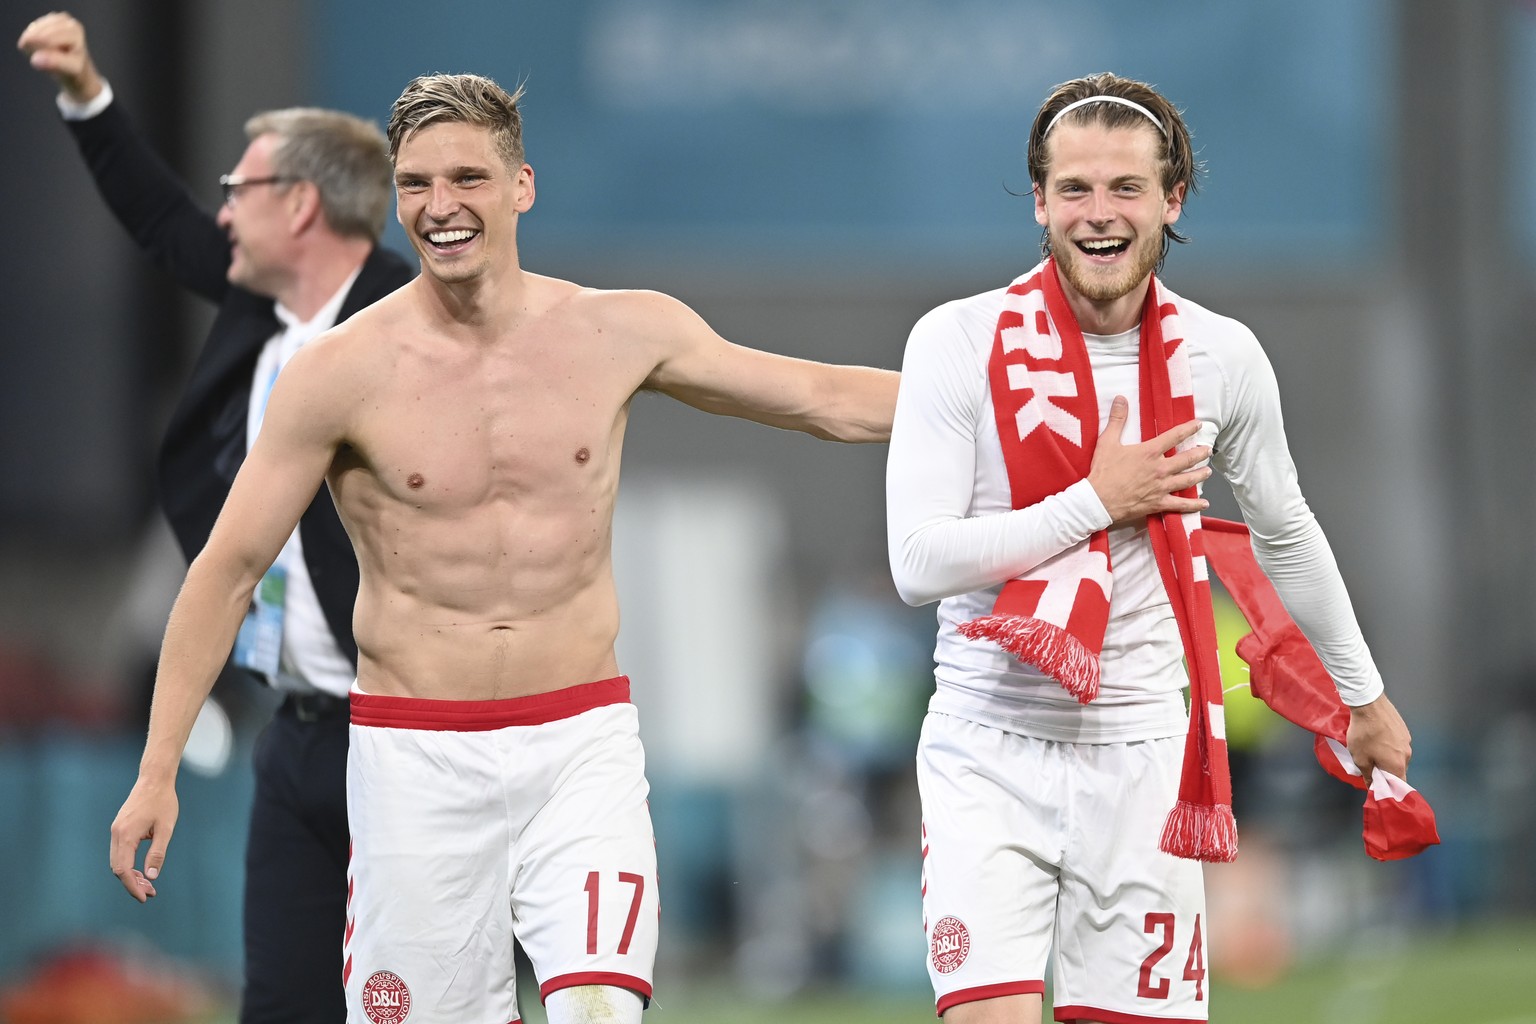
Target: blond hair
459, 99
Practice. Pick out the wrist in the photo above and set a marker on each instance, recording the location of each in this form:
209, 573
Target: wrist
1109, 515
1375, 710
84, 87
72, 110
159, 769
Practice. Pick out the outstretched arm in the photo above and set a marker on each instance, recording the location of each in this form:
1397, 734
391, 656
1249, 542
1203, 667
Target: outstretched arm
145, 195
1291, 548
702, 369
285, 467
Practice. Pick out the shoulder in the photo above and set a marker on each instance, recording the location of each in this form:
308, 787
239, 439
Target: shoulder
1209, 327
636, 306
1230, 367
1223, 338
947, 352
363, 342
321, 389
340, 349
960, 326
661, 323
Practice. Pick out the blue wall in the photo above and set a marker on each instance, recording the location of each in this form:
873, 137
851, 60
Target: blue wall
888, 132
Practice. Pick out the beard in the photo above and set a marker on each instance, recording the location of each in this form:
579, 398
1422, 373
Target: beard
1100, 283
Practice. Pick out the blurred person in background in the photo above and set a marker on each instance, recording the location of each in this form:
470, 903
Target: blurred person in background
470, 427
1067, 794
292, 251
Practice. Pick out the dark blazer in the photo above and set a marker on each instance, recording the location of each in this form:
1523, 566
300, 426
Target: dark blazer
205, 441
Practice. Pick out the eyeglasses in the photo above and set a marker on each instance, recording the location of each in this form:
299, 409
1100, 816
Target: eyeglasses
233, 183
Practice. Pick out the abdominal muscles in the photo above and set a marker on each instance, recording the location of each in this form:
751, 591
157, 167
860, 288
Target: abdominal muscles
499, 600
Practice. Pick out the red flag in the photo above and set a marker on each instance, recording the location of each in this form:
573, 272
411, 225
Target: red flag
1286, 673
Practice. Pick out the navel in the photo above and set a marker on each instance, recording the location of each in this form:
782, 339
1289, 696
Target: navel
415, 480
582, 455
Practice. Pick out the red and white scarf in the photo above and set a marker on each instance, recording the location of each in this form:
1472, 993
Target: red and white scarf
1054, 616
1286, 673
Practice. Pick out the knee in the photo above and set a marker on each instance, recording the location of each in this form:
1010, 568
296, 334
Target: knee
593, 1004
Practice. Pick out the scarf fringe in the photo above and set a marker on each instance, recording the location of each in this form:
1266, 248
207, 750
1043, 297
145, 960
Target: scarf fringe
1200, 832
1044, 645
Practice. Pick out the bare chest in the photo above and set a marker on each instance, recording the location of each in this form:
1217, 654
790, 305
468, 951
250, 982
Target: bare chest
542, 422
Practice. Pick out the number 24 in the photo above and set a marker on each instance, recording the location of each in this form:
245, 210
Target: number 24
1194, 965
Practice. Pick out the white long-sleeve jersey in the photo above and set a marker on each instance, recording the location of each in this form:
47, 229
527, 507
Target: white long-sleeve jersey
955, 537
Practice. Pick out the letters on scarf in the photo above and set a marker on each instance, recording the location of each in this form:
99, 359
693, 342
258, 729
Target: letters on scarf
1054, 616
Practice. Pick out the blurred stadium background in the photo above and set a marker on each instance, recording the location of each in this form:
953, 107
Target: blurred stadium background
812, 176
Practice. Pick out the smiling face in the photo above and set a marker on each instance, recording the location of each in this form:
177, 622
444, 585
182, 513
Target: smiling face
458, 201
1103, 206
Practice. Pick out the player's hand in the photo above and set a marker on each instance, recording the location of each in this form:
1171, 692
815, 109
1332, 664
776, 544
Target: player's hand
1379, 738
56, 44
149, 813
1137, 480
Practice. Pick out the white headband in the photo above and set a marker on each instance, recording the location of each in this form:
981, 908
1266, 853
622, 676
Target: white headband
1105, 99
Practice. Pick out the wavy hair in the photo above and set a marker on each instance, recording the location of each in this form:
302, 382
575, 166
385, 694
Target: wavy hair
1176, 155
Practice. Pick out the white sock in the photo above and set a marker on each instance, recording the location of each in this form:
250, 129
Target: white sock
593, 1004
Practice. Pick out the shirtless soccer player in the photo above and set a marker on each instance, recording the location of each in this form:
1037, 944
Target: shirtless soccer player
1065, 553
470, 427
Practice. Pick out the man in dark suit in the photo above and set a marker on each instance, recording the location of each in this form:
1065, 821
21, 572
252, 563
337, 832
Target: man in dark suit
292, 251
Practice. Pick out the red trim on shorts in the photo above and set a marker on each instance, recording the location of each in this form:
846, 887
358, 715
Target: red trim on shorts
1064, 1013
627, 981
483, 715
980, 992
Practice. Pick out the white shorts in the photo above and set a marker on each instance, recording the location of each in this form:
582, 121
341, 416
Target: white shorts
1029, 843
474, 822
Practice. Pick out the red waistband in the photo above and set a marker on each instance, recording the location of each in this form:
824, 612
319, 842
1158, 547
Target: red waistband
482, 715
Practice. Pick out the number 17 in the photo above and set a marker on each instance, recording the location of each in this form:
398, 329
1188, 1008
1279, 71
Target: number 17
591, 889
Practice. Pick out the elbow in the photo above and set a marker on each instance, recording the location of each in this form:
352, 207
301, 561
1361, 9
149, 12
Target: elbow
1273, 540
911, 587
879, 433
834, 430
850, 428
912, 594
860, 413
229, 571
920, 568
